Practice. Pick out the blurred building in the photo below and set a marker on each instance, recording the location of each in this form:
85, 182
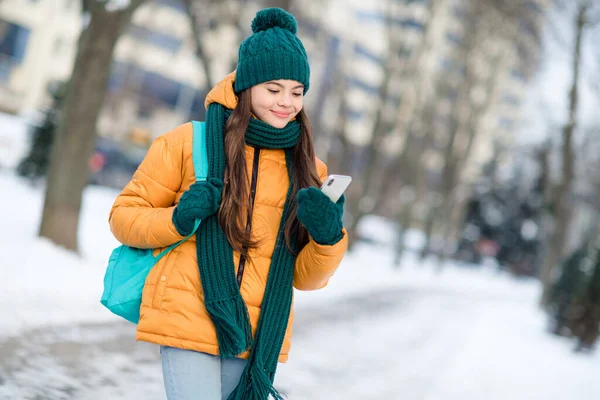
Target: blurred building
156, 79
514, 58
37, 46
426, 36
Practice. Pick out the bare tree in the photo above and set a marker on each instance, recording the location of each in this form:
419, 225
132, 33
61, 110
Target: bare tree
489, 28
366, 185
198, 27
418, 112
562, 193
76, 133
415, 121
415, 88
206, 17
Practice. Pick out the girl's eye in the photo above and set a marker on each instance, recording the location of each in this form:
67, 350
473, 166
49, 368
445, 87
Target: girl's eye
273, 91
297, 94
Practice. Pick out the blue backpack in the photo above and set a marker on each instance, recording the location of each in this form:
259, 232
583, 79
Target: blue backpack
128, 266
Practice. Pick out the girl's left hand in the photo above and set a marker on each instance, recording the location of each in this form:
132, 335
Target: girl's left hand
321, 216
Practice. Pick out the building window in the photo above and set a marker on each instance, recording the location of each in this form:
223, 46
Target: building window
158, 39
13, 44
529, 28
459, 12
453, 37
362, 85
406, 23
13, 40
518, 75
534, 6
354, 115
153, 91
411, 23
363, 52
174, 4
511, 99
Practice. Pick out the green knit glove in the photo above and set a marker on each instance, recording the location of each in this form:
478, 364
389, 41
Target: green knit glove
321, 216
201, 200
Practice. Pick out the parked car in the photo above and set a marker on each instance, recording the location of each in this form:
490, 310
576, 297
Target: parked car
113, 163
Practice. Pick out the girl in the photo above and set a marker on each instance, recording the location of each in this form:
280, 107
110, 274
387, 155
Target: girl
220, 306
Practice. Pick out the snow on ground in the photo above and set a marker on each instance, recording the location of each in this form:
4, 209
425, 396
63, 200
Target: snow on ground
46, 284
374, 332
14, 138
457, 336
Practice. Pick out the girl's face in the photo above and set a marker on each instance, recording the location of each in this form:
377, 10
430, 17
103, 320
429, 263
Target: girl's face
277, 102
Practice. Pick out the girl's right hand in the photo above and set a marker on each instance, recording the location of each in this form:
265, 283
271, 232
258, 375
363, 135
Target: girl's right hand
201, 200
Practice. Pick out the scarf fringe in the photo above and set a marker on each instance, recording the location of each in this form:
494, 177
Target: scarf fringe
232, 324
255, 385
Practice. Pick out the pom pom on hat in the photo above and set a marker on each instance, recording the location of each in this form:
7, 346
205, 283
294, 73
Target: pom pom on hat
272, 17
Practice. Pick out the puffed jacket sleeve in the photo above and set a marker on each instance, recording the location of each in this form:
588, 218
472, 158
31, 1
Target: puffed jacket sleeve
317, 263
141, 215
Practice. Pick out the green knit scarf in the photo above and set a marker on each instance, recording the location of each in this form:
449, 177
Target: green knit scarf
222, 296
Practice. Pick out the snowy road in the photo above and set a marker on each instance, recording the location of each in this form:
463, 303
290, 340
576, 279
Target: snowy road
411, 343
104, 362
335, 350
368, 348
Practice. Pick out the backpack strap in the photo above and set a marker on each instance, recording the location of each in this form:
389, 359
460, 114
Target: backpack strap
199, 155
200, 159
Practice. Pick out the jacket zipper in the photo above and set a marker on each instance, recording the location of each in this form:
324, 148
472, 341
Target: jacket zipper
242, 263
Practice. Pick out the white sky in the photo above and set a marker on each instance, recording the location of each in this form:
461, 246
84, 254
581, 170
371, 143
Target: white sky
547, 98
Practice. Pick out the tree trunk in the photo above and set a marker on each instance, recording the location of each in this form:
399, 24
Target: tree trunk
76, 134
428, 229
404, 219
562, 210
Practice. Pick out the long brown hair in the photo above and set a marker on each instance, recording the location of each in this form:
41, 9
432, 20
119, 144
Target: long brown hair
236, 180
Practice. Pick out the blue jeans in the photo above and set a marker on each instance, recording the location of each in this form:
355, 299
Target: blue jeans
191, 375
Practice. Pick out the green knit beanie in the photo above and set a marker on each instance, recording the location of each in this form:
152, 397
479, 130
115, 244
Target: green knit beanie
272, 52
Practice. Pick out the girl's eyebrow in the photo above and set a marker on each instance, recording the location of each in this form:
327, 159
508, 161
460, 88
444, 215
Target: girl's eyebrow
281, 86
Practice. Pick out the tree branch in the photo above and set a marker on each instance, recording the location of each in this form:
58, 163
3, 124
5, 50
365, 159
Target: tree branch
195, 25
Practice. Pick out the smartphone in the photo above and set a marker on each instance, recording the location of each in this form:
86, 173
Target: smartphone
335, 185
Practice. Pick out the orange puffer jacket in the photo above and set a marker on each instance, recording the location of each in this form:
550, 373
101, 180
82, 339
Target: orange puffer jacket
173, 312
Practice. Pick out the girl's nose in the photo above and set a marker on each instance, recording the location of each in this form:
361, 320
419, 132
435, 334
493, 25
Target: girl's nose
285, 100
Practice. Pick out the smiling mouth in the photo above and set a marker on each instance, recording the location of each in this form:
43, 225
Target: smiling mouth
280, 115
